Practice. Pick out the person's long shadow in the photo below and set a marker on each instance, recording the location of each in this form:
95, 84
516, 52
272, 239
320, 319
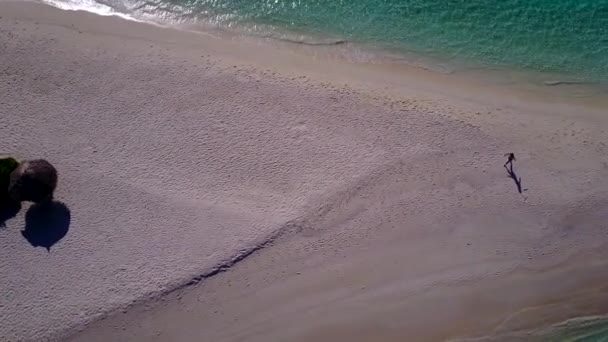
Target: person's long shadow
513, 176
46, 224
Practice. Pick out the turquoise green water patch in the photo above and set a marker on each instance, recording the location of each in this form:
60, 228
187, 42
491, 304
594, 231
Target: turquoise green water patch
559, 36
582, 329
593, 329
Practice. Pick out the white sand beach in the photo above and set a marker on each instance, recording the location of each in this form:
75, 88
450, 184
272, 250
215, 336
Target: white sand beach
225, 189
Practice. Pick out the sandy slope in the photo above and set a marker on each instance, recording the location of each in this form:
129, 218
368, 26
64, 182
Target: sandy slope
174, 160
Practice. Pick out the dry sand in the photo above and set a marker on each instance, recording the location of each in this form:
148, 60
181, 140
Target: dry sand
373, 199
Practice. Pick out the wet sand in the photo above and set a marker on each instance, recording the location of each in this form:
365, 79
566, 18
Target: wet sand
223, 190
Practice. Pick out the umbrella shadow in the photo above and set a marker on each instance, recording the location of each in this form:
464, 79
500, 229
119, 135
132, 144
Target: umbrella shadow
8, 207
46, 224
8, 210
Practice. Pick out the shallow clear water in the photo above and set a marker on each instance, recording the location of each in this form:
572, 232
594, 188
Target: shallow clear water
568, 37
584, 329
593, 329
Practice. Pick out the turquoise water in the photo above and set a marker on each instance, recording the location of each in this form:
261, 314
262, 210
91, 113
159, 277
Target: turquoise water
584, 329
564, 37
593, 329
568, 37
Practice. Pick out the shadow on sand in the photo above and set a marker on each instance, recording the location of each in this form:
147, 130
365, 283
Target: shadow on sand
511, 172
46, 224
8, 210
8, 207
514, 177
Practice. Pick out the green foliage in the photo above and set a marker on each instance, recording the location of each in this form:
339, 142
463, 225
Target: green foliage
7, 165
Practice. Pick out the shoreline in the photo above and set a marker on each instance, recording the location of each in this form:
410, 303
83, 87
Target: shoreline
376, 145
530, 316
357, 51
527, 85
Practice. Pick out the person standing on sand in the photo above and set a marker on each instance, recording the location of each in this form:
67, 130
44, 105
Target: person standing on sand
512, 175
511, 159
